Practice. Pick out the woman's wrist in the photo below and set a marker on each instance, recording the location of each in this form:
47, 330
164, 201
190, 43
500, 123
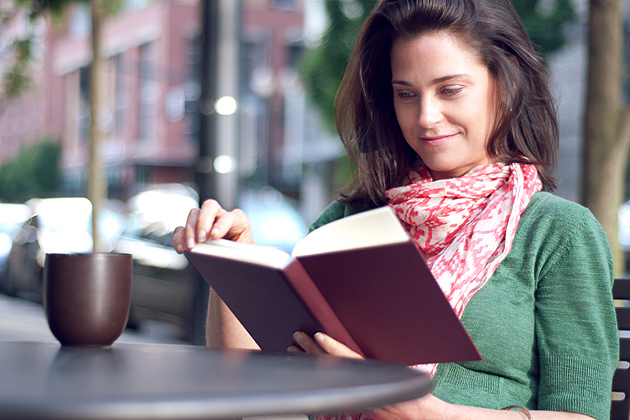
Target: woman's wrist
428, 407
522, 409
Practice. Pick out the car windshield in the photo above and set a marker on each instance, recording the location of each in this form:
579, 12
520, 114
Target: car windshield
65, 214
12, 216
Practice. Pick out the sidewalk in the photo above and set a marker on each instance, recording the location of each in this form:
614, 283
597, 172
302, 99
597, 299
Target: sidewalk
21, 320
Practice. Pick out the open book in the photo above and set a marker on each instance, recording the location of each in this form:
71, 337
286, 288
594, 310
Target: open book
359, 279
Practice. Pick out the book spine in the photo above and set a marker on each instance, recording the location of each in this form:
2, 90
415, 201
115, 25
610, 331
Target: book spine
315, 302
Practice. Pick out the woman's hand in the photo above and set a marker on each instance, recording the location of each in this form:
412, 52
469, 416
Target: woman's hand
212, 221
321, 343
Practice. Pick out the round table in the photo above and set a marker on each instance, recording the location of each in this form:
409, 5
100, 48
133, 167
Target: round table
148, 381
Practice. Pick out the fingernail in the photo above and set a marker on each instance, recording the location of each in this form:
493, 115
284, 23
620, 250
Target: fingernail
202, 236
299, 337
320, 338
190, 243
215, 231
180, 248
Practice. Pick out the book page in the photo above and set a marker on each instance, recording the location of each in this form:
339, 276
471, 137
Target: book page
250, 253
375, 227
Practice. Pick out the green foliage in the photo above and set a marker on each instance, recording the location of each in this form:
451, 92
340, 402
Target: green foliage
16, 79
33, 173
15, 82
322, 67
545, 26
40, 6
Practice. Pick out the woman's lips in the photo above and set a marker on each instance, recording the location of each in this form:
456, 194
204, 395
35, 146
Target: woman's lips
437, 140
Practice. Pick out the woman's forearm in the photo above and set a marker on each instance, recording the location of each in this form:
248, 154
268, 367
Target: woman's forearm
223, 330
430, 407
473, 413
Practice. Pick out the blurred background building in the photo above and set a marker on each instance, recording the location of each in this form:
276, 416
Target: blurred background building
153, 53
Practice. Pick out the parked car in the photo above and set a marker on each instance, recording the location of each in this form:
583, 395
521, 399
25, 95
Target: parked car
273, 218
167, 292
57, 225
623, 222
166, 288
12, 217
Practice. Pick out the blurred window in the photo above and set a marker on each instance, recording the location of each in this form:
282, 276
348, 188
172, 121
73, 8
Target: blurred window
81, 21
192, 89
283, 4
121, 98
256, 76
84, 98
148, 98
626, 58
132, 5
295, 53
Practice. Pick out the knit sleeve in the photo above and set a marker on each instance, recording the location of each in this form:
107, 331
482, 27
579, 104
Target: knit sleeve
575, 320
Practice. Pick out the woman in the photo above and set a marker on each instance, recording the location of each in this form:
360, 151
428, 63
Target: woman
445, 111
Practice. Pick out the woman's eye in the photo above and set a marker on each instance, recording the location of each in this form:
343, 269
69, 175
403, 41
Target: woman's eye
404, 95
451, 91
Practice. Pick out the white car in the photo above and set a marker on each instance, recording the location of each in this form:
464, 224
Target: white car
623, 221
57, 225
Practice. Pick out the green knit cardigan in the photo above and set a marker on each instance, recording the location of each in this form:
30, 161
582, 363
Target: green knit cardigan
544, 322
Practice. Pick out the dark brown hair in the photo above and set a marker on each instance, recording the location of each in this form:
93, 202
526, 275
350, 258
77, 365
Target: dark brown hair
525, 129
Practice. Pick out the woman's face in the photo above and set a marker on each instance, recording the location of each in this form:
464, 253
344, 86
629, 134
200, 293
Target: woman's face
445, 102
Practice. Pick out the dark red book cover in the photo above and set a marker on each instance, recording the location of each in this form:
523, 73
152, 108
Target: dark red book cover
380, 300
267, 304
391, 305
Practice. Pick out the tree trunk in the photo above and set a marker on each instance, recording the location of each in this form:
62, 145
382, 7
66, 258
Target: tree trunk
606, 140
97, 183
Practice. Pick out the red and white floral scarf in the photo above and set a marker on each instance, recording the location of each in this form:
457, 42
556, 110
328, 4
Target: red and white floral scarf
465, 226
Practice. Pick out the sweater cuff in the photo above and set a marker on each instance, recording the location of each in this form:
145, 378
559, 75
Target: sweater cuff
575, 385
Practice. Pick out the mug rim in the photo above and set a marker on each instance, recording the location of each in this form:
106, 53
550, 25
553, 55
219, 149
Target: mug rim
87, 254
60, 256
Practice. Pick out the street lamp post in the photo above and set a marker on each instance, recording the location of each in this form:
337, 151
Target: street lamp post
215, 173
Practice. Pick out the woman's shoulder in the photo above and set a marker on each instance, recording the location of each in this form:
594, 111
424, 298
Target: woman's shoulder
553, 223
547, 201
545, 206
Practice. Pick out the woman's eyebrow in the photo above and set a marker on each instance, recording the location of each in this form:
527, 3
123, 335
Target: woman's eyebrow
400, 82
450, 77
436, 80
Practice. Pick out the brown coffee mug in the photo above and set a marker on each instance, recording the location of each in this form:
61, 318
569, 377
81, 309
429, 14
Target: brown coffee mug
87, 297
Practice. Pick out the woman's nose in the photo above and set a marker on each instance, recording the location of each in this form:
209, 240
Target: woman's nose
429, 113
